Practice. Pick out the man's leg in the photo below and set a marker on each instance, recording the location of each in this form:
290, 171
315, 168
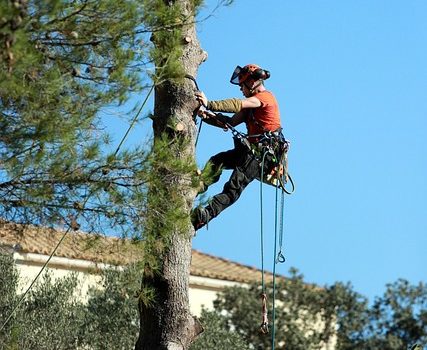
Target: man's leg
233, 188
213, 168
240, 178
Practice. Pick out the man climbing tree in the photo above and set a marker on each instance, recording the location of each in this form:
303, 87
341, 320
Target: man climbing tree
260, 111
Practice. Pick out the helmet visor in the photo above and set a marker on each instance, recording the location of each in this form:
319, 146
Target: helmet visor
235, 77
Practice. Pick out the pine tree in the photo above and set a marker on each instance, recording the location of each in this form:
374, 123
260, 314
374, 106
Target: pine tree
61, 62
166, 322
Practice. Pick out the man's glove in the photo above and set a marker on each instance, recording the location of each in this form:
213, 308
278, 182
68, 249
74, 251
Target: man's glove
224, 119
215, 119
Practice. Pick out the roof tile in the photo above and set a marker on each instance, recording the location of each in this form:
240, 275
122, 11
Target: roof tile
115, 251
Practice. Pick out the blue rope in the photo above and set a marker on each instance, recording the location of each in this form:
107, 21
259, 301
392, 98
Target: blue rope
278, 256
262, 223
273, 332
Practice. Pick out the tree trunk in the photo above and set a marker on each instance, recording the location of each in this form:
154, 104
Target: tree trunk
167, 324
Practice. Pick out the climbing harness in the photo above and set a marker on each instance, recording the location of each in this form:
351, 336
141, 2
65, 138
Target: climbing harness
272, 142
275, 147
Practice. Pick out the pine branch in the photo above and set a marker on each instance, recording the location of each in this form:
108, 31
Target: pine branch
63, 19
67, 43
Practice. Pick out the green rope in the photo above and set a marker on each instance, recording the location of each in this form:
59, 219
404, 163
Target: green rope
34, 280
70, 225
133, 121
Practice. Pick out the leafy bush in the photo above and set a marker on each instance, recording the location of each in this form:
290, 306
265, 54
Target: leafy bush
217, 334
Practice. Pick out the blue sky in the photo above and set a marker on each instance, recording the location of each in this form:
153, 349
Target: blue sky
351, 81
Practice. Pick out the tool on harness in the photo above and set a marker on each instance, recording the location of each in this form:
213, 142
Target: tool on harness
275, 147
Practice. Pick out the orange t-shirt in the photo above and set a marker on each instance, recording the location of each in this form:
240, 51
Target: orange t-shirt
264, 118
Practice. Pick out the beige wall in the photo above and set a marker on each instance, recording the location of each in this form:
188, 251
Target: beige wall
202, 291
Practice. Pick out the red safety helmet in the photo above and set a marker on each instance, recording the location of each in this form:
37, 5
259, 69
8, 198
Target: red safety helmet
240, 75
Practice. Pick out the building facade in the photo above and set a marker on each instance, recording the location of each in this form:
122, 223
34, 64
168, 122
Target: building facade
85, 255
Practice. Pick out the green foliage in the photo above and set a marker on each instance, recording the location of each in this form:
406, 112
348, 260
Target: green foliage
167, 186
308, 317
9, 278
399, 317
170, 177
111, 314
166, 20
218, 334
297, 319
53, 318
61, 62
350, 311
50, 316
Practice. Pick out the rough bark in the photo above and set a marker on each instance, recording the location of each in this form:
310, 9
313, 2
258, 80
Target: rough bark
167, 324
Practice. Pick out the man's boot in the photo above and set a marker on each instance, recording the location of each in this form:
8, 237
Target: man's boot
200, 217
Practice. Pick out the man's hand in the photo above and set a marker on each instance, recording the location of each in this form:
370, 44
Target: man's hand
200, 96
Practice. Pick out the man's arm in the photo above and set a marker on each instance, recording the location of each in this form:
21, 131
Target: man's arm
231, 105
238, 118
251, 102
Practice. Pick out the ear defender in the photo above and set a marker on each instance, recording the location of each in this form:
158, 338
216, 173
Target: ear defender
260, 74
